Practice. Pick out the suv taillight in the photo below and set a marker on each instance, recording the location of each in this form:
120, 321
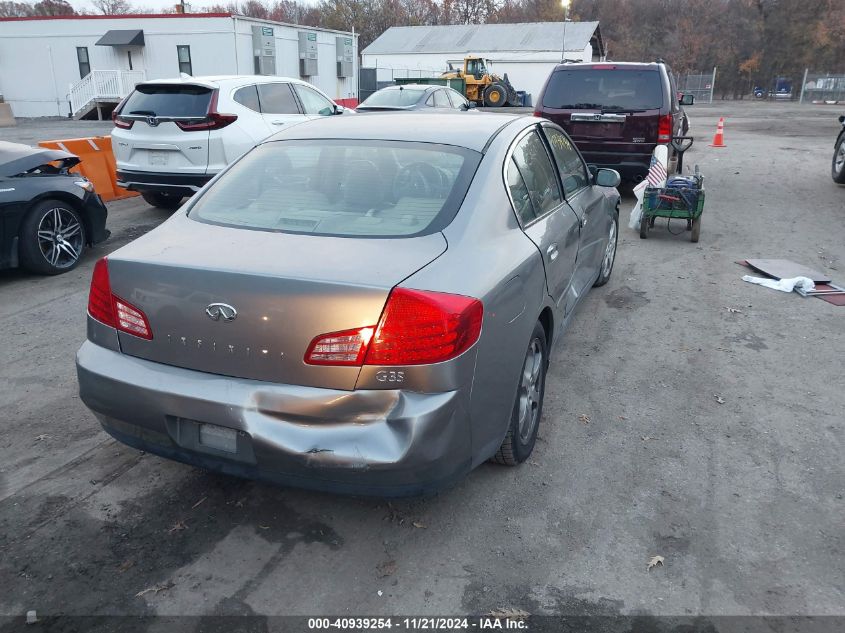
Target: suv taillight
664, 129
110, 309
417, 327
214, 120
119, 121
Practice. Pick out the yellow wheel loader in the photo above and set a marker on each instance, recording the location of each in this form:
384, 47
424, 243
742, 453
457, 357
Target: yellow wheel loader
480, 85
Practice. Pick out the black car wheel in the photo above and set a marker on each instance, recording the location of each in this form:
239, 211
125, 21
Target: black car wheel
838, 166
495, 96
162, 200
528, 407
52, 238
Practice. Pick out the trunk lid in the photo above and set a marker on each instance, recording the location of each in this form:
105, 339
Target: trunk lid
613, 132
286, 289
155, 142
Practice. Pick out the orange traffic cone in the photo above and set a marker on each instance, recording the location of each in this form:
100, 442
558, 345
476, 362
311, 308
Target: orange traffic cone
719, 138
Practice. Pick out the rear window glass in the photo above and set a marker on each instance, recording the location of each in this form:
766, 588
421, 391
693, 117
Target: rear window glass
609, 90
169, 100
393, 98
342, 188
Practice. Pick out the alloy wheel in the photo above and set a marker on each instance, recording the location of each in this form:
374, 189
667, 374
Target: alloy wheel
840, 158
529, 390
60, 237
610, 251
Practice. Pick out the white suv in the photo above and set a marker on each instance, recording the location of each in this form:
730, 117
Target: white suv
172, 136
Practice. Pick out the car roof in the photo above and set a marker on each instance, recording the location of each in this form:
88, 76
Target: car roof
414, 86
611, 65
212, 81
444, 127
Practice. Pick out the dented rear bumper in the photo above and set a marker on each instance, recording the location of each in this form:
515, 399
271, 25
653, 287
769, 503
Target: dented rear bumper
371, 442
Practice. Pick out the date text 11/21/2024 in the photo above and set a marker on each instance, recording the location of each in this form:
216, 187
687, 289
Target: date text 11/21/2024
484, 623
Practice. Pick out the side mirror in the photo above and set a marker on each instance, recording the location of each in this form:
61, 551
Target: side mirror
608, 178
469, 105
339, 109
687, 99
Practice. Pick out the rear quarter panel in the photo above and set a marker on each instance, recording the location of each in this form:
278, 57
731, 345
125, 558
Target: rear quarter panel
490, 258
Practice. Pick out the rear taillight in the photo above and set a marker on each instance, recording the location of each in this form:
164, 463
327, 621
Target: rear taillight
417, 327
664, 129
214, 120
111, 310
119, 121
538, 113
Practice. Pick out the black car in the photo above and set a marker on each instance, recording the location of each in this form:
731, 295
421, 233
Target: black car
415, 97
47, 215
837, 169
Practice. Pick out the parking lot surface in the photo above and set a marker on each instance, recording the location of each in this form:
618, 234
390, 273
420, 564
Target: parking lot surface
688, 415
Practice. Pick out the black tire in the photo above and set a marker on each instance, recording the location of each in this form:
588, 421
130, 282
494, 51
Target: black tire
519, 442
162, 200
495, 96
607, 269
644, 227
837, 172
52, 238
696, 229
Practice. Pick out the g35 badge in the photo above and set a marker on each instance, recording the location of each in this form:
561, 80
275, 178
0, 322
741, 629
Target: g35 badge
390, 376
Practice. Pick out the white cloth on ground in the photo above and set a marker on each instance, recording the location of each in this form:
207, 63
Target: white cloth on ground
784, 285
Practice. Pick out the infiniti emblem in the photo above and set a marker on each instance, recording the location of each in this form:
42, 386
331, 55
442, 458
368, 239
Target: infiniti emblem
152, 121
221, 311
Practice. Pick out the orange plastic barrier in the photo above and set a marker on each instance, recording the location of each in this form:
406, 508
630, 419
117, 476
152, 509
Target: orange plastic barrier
98, 164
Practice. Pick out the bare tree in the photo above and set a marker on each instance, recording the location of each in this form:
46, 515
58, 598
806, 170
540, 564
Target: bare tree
112, 7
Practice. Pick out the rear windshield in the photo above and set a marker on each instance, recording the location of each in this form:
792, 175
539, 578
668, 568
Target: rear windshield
393, 98
168, 100
610, 89
341, 188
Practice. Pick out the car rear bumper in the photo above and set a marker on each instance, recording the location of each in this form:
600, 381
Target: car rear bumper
630, 166
162, 182
372, 442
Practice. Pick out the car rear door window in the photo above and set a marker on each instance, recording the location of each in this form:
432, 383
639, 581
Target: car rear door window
519, 194
169, 100
573, 172
441, 100
538, 174
247, 97
313, 102
277, 98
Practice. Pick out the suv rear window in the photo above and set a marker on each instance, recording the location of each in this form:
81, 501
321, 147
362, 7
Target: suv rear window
341, 188
169, 100
609, 90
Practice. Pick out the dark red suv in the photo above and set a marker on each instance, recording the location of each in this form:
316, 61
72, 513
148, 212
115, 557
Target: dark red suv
616, 112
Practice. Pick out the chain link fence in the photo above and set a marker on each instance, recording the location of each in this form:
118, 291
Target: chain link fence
823, 88
701, 86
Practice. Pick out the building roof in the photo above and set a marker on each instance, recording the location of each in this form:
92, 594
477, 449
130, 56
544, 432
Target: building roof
475, 38
127, 16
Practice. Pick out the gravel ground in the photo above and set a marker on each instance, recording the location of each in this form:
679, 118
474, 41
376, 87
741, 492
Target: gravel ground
638, 456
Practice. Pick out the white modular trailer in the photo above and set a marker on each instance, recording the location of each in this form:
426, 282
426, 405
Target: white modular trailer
527, 52
44, 61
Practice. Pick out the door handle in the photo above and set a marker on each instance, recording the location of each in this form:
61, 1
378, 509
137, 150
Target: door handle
551, 251
277, 122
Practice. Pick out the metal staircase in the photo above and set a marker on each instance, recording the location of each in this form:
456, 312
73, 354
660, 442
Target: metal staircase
101, 89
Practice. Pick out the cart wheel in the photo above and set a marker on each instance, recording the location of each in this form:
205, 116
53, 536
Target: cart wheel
689, 225
651, 221
696, 229
644, 227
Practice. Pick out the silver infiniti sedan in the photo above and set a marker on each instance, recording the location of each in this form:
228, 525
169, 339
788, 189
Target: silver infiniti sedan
364, 305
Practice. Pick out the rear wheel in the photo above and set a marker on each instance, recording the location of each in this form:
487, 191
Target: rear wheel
696, 229
52, 238
528, 407
495, 96
162, 200
644, 221
838, 167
